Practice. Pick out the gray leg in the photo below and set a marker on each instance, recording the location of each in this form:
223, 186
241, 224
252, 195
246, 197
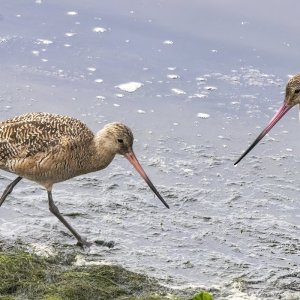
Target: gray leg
53, 208
9, 189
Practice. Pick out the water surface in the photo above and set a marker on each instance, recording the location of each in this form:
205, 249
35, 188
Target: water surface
212, 73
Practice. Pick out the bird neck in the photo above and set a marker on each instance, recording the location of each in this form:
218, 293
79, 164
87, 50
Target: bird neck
103, 151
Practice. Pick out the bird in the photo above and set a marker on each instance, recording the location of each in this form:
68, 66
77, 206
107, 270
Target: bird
292, 97
48, 148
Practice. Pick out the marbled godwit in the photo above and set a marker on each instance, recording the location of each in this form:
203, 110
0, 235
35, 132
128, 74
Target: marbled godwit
292, 97
48, 148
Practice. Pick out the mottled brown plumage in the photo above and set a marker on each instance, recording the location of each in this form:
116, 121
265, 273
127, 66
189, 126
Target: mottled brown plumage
49, 148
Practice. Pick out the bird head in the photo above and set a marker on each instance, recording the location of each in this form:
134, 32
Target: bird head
119, 137
292, 91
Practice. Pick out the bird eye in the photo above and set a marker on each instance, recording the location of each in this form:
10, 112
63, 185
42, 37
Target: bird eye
297, 91
120, 141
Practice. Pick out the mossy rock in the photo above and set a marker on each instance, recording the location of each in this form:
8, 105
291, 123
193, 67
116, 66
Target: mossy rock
27, 276
22, 272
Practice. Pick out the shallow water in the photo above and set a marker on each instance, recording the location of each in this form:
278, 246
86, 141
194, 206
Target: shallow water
212, 76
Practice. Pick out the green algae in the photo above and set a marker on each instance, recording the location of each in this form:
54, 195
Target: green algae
28, 276
203, 295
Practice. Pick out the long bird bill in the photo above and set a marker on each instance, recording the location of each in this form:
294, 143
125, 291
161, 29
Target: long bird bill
134, 161
280, 113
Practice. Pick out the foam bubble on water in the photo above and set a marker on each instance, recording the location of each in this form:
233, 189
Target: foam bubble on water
173, 76
91, 69
43, 42
3, 40
119, 95
35, 52
203, 115
237, 294
140, 111
178, 91
72, 13
70, 34
67, 45
99, 29
43, 250
187, 171
211, 88
197, 95
129, 87
250, 97
100, 97
168, 42
98, 80
81, 261
201, 79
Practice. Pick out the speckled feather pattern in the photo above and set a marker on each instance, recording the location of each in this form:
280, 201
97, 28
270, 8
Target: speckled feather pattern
49, 148
32, 133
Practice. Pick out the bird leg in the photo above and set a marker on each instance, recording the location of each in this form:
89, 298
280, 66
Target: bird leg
9, 189
53, 208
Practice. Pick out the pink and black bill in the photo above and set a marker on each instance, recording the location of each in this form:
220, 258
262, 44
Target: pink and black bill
134, 161
280, 113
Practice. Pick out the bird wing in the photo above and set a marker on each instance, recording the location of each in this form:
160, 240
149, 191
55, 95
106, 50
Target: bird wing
30, 134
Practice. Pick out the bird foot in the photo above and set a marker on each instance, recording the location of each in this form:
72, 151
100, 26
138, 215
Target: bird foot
84, 243
109, 244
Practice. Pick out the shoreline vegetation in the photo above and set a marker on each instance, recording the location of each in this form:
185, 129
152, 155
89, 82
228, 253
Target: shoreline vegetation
26, 275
